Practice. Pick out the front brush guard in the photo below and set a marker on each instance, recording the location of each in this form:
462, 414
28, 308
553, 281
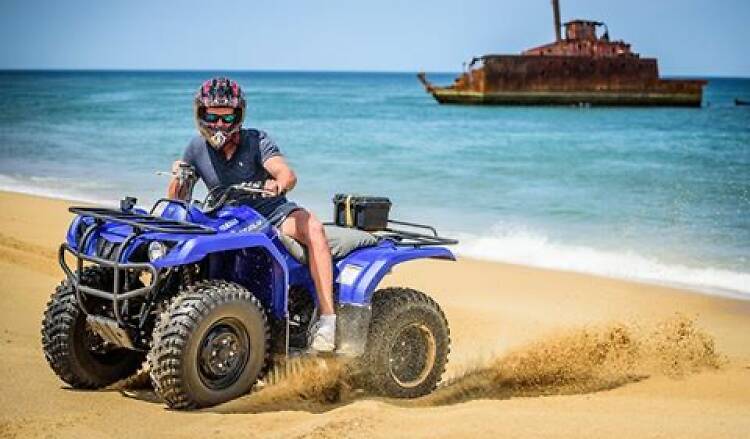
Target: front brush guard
116, 296
140, 223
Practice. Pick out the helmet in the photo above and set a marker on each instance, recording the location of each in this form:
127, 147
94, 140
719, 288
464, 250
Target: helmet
218, 92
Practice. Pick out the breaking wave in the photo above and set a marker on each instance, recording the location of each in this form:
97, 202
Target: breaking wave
526, 248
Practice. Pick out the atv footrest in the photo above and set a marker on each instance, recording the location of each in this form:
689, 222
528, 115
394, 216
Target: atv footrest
110, 331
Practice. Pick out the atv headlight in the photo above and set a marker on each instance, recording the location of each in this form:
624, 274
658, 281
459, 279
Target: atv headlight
156, 250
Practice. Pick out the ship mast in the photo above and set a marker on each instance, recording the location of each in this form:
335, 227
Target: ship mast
556, 13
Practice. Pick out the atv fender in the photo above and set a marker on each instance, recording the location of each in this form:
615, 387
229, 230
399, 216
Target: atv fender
360, 273
358, 276
197, 248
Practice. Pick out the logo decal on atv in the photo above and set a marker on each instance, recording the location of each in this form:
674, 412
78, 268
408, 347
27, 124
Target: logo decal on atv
255, 225
228, 225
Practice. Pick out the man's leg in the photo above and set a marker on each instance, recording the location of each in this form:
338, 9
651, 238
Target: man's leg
304, 227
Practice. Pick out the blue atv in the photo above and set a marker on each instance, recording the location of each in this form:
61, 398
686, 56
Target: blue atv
203, 298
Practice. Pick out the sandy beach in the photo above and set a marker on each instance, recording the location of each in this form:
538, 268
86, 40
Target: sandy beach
500, 316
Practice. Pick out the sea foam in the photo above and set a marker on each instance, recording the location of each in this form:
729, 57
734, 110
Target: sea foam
52, 187
525, 247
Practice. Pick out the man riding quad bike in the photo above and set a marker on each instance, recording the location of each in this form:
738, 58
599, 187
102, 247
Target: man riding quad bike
224, 154
207, 296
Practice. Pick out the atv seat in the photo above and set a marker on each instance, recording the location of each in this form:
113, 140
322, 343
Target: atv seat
341, 240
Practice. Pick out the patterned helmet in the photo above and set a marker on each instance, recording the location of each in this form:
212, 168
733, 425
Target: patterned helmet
219, 92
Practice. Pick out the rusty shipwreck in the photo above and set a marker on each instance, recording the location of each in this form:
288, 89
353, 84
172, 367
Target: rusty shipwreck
582, 68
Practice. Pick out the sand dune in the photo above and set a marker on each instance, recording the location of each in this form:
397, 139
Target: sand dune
535, 353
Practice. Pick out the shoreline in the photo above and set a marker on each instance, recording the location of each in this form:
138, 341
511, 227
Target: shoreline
715, 291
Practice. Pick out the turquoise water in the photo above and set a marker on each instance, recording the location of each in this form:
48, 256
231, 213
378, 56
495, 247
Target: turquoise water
661, 195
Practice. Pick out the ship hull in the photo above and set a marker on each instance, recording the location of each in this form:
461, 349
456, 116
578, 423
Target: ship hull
567, 80
585, 98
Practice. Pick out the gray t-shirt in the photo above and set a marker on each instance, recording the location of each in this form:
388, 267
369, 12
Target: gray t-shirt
246, 165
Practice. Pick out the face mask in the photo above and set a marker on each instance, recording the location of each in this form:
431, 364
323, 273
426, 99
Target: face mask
218, 139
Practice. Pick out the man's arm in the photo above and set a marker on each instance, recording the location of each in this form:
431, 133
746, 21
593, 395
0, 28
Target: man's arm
284, 178
177, 189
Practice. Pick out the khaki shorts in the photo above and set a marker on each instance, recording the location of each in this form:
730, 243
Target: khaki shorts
279, 214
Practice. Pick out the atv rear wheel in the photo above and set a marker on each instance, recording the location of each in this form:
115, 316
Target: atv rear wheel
76, 354
209, 346
408, 344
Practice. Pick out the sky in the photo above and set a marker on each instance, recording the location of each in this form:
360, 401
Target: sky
689, 37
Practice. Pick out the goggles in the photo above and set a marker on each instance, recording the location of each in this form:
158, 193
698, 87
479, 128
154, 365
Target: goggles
227, 118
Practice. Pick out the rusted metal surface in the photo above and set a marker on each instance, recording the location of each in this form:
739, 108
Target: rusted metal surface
581, 40
583, 68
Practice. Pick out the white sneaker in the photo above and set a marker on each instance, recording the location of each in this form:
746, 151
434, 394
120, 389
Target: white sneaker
324, 334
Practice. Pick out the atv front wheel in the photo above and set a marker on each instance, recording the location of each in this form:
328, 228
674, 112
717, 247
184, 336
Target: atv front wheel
76, 354
209, 346
408, 344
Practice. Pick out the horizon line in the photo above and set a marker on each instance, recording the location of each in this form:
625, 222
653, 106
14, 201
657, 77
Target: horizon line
183, 70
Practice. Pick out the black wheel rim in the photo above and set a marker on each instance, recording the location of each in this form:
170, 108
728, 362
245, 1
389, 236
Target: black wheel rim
412, 355
223, 354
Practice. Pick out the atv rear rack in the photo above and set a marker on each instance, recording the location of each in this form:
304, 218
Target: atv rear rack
408, 238
142, 222
414, 239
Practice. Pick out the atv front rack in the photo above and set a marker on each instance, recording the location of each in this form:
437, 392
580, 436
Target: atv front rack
141, 221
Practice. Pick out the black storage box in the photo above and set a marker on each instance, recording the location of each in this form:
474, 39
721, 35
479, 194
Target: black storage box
361, 211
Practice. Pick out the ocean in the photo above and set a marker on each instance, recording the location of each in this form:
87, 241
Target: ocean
655, 195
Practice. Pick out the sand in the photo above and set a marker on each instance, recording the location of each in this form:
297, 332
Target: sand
530, 329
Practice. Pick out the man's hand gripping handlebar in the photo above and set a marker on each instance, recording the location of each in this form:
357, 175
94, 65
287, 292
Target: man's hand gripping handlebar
183, 180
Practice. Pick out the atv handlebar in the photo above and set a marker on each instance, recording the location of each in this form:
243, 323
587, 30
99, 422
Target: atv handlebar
187, 177
211, 203
183, 173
